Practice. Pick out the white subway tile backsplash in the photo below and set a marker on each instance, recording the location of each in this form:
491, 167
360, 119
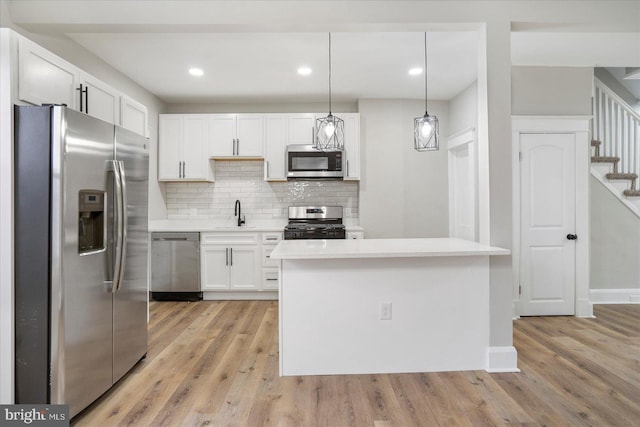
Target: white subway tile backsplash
243, 180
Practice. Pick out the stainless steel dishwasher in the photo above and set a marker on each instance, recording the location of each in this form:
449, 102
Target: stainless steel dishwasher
175, 266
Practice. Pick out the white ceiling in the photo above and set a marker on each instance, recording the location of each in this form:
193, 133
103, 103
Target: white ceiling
245, 67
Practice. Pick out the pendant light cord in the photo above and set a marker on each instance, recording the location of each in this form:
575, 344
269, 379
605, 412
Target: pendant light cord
329, 73
425, 75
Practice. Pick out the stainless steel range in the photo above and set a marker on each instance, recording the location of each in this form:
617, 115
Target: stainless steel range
315, 222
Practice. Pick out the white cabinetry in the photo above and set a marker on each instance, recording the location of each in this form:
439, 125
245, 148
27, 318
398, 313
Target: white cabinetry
98, 99
134, 116
301, 128
230, 261
44, 78
237, 135
355, 235
275, 146
182, 153
270, 275
351, 145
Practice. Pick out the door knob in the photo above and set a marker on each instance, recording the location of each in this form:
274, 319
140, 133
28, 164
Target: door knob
572, 237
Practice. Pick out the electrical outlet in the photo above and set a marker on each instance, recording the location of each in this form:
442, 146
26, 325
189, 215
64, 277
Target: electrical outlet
385, 311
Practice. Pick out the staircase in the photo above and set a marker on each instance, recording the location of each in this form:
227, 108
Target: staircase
615, 157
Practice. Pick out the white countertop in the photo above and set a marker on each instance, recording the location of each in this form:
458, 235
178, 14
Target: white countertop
382, 248
207, 225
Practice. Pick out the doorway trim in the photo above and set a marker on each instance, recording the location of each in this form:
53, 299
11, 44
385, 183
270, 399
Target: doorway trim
580, 127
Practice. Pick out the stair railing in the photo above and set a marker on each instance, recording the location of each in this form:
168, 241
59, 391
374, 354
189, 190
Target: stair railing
617, 126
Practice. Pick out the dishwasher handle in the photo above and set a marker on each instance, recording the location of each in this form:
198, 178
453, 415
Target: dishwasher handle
170, 239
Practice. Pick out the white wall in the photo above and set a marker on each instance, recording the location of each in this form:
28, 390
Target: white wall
403, 193
463, 110
615, 241
551, 90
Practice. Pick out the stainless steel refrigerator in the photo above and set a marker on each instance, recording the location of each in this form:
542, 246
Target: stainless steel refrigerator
81, 244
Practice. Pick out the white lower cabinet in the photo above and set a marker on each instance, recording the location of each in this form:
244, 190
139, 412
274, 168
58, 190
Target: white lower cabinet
238, 261
270, 274
354, 235
230, 261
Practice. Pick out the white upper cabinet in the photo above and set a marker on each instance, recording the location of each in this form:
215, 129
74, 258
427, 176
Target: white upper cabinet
182, 148
44, 78
301, 128
237, 135
351, 145
277, 136
98, 99
134, 116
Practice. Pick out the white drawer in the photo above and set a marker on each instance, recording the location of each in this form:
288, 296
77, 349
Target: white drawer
271, 237
355, 234
270, 278
266, 257
239, 238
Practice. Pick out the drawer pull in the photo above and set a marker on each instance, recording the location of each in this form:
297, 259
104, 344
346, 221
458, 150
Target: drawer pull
271, 280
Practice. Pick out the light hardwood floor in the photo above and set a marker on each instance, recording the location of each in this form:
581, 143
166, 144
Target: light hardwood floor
216, 364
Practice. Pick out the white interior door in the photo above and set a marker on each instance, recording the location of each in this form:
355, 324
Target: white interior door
462, 190
547, 260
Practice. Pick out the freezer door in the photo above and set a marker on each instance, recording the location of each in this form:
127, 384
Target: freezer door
81, 306
130, 299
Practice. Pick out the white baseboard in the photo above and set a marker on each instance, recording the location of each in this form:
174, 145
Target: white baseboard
502, 359
222, 295
584, 308
615, 296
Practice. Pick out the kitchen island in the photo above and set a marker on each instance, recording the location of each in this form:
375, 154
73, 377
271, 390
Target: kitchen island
386, 306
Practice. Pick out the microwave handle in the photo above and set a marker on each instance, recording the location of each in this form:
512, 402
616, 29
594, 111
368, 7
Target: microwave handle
313, 137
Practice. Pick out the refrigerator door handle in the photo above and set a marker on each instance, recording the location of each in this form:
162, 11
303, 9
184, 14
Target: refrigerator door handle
117, 217
125, 223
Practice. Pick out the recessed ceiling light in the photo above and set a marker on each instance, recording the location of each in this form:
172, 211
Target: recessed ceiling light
415, 71
304, 71
196, 72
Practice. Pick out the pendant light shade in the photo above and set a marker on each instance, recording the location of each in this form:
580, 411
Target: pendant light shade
329, 132
426, 132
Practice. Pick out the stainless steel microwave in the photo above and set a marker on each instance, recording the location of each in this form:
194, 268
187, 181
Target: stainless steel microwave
307, 162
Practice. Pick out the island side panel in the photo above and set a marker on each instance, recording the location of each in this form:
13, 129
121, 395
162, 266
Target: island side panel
330, 315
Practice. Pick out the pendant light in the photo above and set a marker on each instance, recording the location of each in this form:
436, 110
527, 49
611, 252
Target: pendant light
329, 132
426, 128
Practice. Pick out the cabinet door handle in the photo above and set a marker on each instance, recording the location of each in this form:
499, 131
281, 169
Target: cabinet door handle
267, 164
272, 238
179, 169
226, 253
231, 256
82, 91
347, 167
184, 169
237, 146
86, 100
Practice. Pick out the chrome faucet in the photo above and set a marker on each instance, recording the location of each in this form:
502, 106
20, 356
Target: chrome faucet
236, 212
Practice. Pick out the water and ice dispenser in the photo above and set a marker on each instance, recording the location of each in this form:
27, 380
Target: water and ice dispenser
91, 226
